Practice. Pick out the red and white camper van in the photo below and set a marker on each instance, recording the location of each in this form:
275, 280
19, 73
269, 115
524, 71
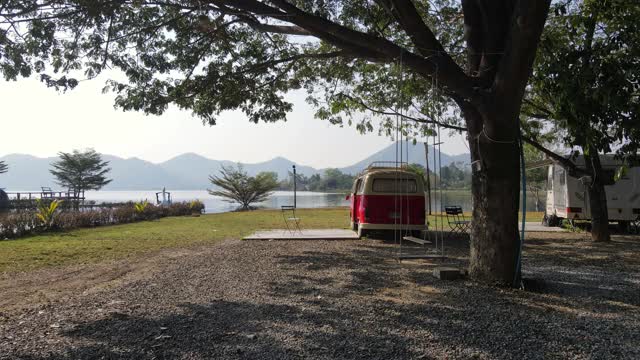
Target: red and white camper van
387, 197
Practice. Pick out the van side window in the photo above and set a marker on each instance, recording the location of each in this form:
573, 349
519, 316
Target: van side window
360, 187
395, 186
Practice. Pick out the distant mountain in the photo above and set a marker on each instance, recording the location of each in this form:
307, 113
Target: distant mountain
416, 156
184, 172
27, 172
195, 169
137, 174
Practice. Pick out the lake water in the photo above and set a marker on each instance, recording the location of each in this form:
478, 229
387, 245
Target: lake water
214, 204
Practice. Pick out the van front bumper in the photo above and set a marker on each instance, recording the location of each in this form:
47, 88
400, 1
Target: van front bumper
368, 226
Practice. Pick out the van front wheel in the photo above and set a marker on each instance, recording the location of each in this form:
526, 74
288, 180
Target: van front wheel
361, 232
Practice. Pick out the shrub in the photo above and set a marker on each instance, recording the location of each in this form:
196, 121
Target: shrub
196, 206
17, 224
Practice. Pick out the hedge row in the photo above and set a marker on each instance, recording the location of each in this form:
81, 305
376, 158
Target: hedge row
17, 224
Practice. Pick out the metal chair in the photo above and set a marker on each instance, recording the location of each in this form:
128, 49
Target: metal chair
46, 192
456, 220
289, 216
635, 226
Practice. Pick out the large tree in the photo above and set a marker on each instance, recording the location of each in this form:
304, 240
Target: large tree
586, 86
214, 55
80, 171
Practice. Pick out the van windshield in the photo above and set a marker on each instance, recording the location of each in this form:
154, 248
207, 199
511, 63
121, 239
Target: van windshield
395, 186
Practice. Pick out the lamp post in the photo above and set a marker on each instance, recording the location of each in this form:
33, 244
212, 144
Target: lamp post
294, 186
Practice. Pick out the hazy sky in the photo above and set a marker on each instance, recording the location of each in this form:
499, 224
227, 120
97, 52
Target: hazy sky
40, 121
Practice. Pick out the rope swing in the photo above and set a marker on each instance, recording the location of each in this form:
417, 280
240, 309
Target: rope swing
401, 197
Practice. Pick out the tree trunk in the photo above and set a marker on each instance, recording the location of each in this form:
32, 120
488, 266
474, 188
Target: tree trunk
493, 126
495, 188
597, 200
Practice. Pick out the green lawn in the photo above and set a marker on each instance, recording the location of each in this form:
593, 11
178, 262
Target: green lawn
114, 242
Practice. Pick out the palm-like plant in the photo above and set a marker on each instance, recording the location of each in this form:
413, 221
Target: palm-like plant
46, 211
140, 207
3, 167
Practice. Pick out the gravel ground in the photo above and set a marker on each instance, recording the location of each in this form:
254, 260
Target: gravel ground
327, 299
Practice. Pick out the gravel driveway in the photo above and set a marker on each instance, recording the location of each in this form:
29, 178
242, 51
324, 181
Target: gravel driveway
326, 299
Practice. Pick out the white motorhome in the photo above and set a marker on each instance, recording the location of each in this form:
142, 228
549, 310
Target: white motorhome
567, 196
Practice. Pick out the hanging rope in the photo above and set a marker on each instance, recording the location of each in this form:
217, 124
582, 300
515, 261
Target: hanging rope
398, 145
517, 278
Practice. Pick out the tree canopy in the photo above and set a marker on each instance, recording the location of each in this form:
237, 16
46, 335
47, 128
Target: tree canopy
216, 55
330, 180
585, 88
586, 81
81, 170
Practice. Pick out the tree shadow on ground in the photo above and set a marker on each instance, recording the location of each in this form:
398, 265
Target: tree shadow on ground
232, 330
580, 304
354, 300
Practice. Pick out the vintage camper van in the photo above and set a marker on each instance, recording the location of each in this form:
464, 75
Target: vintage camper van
387, 197
567, 196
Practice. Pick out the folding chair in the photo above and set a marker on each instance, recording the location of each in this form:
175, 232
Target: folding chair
290, 217
635, 226
46, 192
456, 220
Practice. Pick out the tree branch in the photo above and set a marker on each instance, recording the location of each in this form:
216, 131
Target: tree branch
473, 35
369, 46
410, 20
270, 63
516, 65
395, 113
567, 164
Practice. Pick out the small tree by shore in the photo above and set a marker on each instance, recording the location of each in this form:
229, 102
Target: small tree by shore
81, 170
236, 186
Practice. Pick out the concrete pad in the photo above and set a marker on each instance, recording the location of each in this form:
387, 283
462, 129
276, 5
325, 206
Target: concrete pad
305, 234
537, 227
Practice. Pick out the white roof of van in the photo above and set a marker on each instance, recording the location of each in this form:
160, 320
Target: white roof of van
388, 171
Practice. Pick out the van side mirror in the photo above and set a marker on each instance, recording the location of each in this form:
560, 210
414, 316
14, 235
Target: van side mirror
347, 197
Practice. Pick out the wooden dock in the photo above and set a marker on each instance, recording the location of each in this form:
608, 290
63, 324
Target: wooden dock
53, 195
28, 199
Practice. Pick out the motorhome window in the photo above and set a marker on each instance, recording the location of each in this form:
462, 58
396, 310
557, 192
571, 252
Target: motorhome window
559, 175
395, 186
